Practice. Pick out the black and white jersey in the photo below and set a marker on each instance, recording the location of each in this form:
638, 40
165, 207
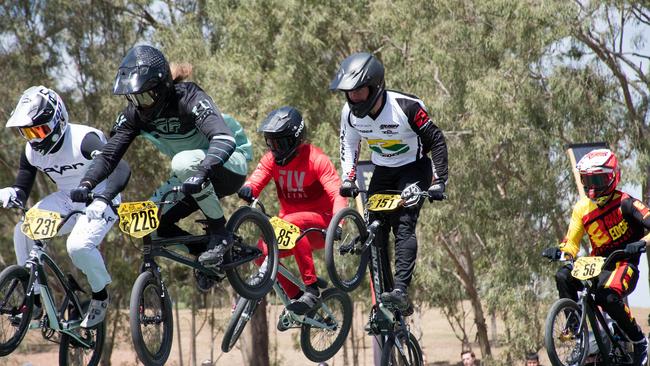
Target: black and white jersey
400, 134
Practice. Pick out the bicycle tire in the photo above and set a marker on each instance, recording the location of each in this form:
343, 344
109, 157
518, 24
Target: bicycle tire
161, 317
14, 282
69, 344
390, 353
264, 231
243, 312
560, 308
308, 348
334, 261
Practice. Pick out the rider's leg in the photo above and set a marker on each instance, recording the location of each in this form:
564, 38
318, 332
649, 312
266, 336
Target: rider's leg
567, 285
613, 286
172, 214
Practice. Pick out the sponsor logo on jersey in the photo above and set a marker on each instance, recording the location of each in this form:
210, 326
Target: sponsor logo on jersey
388, 148
292, 183
389, 132
388, 126
421, 118
167, 125
365, 131
63, 168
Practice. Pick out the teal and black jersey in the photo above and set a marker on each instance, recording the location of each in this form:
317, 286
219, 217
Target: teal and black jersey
189, 121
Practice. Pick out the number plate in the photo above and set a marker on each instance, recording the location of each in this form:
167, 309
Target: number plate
384, 202
138, 218
41, 224
285, 232
587, 267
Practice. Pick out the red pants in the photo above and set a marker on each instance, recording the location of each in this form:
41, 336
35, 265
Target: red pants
302, 250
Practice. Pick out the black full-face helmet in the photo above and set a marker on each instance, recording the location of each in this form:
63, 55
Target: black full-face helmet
144, 78
356, 71
284, 130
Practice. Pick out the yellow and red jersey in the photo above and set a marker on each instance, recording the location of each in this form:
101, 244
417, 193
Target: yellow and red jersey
623, 220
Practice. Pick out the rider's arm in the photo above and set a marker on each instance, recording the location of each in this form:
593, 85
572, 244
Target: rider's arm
91, 145
571, 243
209, 121
431, 136
350, 146
635, 210
330, 181
261, 175
25, 178
107, 160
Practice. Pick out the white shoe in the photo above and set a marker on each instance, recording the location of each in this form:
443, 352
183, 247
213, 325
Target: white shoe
96, 313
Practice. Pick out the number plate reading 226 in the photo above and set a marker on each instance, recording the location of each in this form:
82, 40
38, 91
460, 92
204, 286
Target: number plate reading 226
384, 202
587, 267
286, 233
138, 218
40, 224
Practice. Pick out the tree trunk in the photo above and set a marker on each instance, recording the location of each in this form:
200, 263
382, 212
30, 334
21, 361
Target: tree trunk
258, 350
113, 317
195, 301
178, 330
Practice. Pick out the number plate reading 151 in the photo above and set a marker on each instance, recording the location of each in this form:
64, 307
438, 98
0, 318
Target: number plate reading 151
587, 267
383, 202
138, 218
40, 224
286, 233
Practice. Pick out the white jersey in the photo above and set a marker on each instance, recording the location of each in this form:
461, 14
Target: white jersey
67, 165
391, 136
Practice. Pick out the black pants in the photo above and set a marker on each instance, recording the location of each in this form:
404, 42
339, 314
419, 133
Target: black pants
403, 221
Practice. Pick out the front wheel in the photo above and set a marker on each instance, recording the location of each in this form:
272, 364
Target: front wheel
566, 343
151, 320
254, 245
88, 351
346, 257
402, 350
240, 316
15, 307
320, 344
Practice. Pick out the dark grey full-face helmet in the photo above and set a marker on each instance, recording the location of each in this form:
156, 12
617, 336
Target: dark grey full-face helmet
284, 130
144, 78
356, 71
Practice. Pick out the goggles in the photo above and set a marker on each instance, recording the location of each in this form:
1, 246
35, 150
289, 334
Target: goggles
280, 145
598, 180
142, 100
36, 133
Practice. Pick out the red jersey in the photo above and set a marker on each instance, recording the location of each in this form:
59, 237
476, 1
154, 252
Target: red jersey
309, 182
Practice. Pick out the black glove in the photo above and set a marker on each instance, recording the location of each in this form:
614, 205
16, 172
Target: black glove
436, 192
635, 248
348, 189
246, 193
193, 185
81, 193
553, 253
338, 233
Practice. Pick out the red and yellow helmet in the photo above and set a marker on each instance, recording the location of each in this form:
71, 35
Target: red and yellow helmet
599, 173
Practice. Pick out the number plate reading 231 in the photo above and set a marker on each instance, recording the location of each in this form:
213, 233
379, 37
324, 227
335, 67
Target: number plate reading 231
383, 202
286, 233
138, 218
585, 268
40, 224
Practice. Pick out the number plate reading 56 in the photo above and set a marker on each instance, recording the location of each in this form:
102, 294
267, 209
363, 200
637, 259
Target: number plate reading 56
383, 202
138, 218
587, 267
286, 233
40, 224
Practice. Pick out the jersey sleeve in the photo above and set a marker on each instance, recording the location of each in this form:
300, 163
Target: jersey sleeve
571, 242
210, 122
91, 145
122, 135
350, 146
25, 178
330, 181
261, 175
636, 211
432, 138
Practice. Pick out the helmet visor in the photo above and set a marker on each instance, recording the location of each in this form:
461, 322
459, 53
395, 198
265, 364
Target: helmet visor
142, 100
36, 133
596, 181
279, 146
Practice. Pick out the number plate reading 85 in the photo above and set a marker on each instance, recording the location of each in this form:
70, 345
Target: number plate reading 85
41, 224
585, 268
138, 218
384, 202
286, 233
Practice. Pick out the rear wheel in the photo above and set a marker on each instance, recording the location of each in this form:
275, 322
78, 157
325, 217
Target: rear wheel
402, 351
151, 320
88, 351
320, 344
241, 315
345, 257
252, 231
15, 307
566, 343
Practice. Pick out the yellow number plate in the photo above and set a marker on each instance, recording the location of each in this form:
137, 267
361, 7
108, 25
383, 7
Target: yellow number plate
285, 232
138, 218
587, 267
40, 224
383, 202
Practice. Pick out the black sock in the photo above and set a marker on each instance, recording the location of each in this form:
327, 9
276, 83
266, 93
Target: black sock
37, 301
313, 289
217, 226
101, 295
